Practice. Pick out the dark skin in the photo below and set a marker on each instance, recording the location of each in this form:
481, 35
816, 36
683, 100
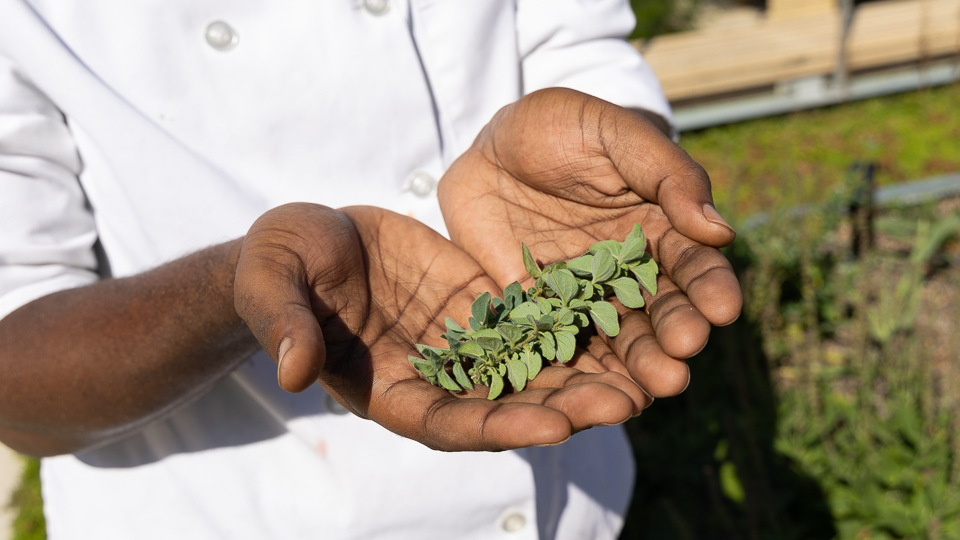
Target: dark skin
598, 170
335, 296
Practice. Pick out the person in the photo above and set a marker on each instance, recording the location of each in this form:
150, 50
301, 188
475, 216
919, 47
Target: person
178, 182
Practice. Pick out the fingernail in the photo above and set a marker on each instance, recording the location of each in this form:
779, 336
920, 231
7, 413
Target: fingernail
553, 444
285, 346
711, 214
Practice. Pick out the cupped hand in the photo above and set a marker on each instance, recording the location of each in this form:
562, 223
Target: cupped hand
344, 296
560, 170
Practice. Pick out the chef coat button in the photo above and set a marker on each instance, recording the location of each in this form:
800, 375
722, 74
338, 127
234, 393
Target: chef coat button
376, 7
422, 184
220, 36
333, 406
513, 522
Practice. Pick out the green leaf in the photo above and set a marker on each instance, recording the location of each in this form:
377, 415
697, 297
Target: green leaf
632, 250
491, 344
646, 272
496, 386
564, 284
452, 326
581, 266
545, 323
452, 337
611, 245
431, 353
534, 362
445, 381
565, 317
530, 263
548, 346
628, 292
527, 308
604, 265
566, 346
604, 315
544, 305
634, 245
510, 332
481, 308
426, 367
517, 373
471, 348
513, 295
461, 376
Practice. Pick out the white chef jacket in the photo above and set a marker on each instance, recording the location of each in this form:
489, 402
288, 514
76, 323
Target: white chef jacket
138, 127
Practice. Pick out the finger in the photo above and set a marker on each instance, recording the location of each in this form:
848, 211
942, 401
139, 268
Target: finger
273, 299
681, 330
415, 409
272, 291
561, 377
600, 350
637, 345
658, 170
703, 274
583, 360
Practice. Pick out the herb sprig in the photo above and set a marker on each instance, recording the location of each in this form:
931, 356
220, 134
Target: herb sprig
511, 337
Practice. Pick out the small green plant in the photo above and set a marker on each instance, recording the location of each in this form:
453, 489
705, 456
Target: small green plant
512, 336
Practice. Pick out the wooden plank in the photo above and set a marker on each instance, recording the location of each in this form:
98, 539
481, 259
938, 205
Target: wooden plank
701, 63
698, 64
903, 30
789, 9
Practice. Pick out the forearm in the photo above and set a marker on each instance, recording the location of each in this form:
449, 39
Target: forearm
84, 366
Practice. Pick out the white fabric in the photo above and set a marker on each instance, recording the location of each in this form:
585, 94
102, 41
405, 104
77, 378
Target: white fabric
119, 123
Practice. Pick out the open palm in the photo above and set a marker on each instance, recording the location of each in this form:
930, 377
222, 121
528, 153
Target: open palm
560, 170
344, 296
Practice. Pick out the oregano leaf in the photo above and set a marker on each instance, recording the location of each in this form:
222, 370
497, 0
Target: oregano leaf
496, 386
628, 292
612, 245
517, 373
646, 273
604, 265
423, 366
632, 250
530, 263
481, 308
511, 332
581, 266
534, 363
452, 326
513, 295
544, 305
471, 348
548, 346
566, 346
604, 315
461, 376
527, 308
447, 382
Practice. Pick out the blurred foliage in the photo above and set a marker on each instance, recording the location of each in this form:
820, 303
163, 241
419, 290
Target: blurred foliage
655, 17
806, 154
27, 502
830, 409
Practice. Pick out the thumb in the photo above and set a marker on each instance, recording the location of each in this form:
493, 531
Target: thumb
661, 172
272, 290
277, 310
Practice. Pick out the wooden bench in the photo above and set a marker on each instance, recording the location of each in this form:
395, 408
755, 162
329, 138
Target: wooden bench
801, 38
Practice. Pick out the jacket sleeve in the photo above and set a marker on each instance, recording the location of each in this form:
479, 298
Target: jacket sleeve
580, 44
47, 231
